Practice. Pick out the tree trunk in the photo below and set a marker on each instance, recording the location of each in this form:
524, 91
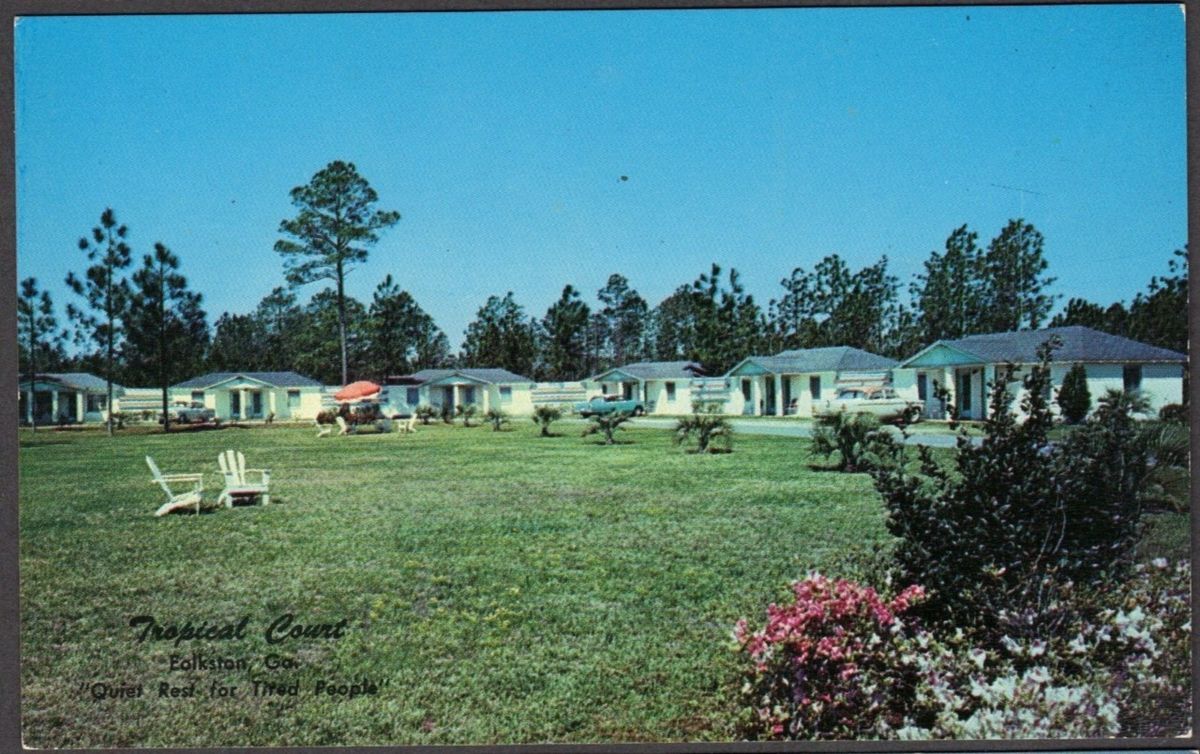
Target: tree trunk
341, 294
162, 348
108, 370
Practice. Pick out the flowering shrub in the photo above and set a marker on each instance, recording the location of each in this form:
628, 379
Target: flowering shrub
839, 662
821, 666
966, 692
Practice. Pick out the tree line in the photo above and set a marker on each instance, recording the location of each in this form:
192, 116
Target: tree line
144, 326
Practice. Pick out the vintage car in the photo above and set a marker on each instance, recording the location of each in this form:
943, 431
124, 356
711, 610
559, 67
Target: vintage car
190, 413
609, 404
881, 401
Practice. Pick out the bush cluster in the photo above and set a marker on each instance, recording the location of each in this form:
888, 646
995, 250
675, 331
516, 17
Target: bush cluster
842, 661
1028, 618
1017, 514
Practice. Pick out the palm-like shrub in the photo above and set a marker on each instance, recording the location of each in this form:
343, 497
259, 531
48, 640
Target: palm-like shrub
849, 435
607, 424
544, 416
1074, 400
1166, 480
496, 418
467, 412
707, 425
426, 413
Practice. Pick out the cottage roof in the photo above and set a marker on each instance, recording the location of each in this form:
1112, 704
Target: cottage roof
657, 370
491, 376
1078, 344
274, 379
827, 359
81, 381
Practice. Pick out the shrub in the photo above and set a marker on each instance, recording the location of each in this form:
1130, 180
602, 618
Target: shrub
824, 666
496, 418
1074, 399
425, 413
706, 424
1018, 513
1173, 413
849, 435
467, 412
607, 424
544, 416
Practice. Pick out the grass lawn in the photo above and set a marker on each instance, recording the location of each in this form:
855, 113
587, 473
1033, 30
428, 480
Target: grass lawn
499, 587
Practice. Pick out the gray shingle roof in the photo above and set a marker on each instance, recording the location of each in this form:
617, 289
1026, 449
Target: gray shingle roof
494, 376
1078, 344
277, 379
77, 380
659, 370
828, 359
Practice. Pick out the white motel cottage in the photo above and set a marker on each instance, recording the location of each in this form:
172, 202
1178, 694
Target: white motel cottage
963, 368
252, 395
69, 397
663, 387
441, 388
791, 382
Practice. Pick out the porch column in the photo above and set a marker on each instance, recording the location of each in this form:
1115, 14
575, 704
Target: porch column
242, 412
54, 407
485, 389
780, 408
271, 403
456, 401
79, 407
756, 392
29, 404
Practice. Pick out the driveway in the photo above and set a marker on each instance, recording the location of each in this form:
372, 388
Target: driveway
794, 428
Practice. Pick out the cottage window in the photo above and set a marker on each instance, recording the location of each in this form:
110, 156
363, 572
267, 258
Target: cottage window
505, 394
670, 391
814, 387
95, 403
964, 392
198, 396
1132, 374
293, 399
746, 390
468, 394
412, 396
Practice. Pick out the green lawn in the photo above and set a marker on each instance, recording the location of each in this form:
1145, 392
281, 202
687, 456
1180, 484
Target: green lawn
499, 587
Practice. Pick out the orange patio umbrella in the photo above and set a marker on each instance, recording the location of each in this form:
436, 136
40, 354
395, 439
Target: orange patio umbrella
358, 391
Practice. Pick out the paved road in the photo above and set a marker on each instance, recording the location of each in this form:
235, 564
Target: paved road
792, 429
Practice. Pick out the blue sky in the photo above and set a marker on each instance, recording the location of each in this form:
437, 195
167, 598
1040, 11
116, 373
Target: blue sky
759, 139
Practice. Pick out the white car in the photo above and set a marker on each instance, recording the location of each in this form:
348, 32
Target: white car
882, 402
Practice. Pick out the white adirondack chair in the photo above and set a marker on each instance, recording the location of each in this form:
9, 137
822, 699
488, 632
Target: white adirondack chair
343, 427
323, 430
233, 468
177, 500
409, 426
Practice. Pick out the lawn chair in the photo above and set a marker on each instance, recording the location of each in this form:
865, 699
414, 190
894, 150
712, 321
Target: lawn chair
343, 427
411, 425
323, 430
177, 501
233, 468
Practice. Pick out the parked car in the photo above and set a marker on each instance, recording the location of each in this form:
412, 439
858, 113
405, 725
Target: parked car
190, 413
882, 402
609, 404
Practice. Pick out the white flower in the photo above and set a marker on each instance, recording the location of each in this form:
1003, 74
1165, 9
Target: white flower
1159, 562
979, 657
